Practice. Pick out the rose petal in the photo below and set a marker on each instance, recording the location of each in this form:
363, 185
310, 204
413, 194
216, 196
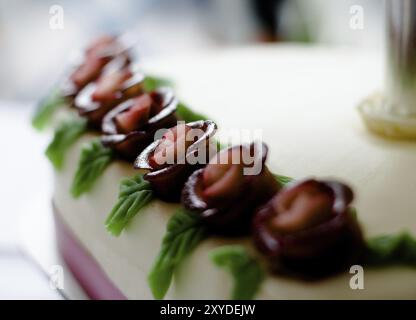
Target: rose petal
128, 144
172, 147
228, 185
108, 84
87, 72
311, 233
168, 180
307, 210
136, 116
217, 167
224, 197
100, 44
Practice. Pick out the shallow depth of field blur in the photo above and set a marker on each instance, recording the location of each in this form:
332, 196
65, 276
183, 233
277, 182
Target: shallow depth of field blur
33, 56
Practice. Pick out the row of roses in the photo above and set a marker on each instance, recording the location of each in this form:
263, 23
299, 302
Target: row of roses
306, 228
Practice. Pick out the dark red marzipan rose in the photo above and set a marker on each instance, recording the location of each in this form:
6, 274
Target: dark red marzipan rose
130, 127
96, 58
172, 159
225, 195
307, 229
94, 61
111, 89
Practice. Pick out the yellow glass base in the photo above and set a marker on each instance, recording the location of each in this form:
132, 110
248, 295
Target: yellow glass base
377, 116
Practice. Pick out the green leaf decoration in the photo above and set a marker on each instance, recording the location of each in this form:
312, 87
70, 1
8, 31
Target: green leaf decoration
46, 109
353, 212
65, 136
246, 271
134, 194
151, 83
283, 180
184, 232
186, 114
391, 250
92, 163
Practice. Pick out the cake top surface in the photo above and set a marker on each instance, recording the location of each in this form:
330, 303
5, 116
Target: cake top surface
304, 102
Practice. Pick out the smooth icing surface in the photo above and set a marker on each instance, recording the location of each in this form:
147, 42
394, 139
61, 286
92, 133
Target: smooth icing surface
305, 101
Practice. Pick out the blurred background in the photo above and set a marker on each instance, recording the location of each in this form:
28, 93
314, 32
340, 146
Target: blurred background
33, 56
31, 53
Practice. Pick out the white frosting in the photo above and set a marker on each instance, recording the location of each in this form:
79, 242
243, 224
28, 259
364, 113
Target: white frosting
311, 129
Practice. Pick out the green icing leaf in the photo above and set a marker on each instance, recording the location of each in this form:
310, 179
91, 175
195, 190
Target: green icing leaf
391, 249
151, 83
353, 212
93, 160
65, 136
134, 194
186, 114
46, 109
184, 232
245, 270
283, 180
